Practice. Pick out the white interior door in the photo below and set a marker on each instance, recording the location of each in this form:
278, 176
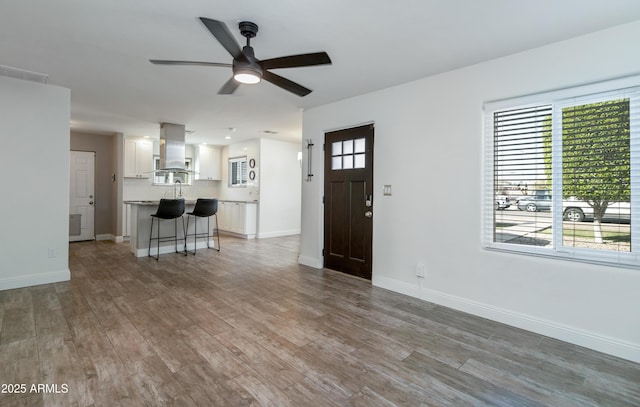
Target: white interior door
81, 199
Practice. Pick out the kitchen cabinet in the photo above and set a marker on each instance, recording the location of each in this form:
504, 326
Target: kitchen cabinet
138, 158
238, 218
209, 159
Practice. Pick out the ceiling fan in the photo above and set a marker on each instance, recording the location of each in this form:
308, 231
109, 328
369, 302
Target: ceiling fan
246, 67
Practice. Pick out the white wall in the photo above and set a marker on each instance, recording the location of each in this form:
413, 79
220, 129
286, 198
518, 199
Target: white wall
428, 146
250, 149
280, 175
34, 132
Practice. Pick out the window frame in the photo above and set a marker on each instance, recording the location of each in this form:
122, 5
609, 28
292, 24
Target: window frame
169, 177
243, 181
628, 87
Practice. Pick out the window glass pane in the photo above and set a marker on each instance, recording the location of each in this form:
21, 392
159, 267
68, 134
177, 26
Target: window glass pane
347, 162
238, 171
359, 161
336, 163
596, 176
162, 177
336, 148
347, 147
522, 176
359, 145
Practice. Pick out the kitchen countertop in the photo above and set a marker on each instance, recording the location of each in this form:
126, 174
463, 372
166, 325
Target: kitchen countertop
187, 201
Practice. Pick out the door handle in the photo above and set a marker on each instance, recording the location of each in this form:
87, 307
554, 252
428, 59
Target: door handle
368, 214
91, 203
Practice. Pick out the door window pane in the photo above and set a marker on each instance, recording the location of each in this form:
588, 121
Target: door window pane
359, 145
336, 163
347, 147
336, 148
347, 162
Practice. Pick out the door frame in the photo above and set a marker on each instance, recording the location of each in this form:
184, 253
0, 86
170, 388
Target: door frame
365, 272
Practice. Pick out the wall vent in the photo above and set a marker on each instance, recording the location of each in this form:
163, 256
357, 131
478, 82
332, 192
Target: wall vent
23, 74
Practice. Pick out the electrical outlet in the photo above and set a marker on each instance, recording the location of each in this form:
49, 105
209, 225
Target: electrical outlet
420, 270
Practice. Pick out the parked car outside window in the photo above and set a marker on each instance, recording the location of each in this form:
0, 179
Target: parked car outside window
502, 202
535, 203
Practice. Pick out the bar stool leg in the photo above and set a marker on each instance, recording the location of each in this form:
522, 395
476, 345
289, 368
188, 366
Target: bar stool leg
184, 234
208, 230
150, 235
217, 233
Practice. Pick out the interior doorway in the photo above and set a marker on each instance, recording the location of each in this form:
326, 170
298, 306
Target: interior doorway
82, 196
348, 200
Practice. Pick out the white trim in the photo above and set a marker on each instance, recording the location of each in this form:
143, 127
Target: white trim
310, 262
601, 343
164, 249
35, 279
278, 233
242, 235
105, 236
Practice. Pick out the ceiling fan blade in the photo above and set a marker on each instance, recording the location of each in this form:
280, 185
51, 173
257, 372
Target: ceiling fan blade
223, 35
285, 83
229, 87
294, 61
168, 62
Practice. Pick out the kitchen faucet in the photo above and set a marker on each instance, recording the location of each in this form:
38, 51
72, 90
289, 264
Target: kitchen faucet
175, 184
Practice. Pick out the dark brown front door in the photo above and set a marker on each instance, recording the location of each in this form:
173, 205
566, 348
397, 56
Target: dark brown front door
348, 200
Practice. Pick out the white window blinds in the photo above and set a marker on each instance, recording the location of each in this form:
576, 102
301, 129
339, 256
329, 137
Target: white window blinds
562, 176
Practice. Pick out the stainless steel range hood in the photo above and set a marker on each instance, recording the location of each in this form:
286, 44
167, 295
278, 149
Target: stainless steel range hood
172, 148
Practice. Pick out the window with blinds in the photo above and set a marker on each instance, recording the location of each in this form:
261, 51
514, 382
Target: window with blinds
238, 171
562, 177
522, 176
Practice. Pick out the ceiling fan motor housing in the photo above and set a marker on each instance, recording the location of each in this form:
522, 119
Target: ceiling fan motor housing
248, 63
248, 29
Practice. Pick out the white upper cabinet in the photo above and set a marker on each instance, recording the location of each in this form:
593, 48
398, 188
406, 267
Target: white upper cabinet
138, 158
208, 165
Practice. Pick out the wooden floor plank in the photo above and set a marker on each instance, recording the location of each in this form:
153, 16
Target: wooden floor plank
249, 326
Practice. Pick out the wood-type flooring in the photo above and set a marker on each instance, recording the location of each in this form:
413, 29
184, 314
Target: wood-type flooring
248, 326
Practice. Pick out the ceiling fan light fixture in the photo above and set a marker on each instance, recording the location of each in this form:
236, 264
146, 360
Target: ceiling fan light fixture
246, 76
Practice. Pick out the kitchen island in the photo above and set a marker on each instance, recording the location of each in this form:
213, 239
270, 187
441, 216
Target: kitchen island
140, 226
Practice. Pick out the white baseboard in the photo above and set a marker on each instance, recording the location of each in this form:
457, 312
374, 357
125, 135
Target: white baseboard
107, 236
34, 279
226, 232
310, 261
172, 249
278, 233
601, 343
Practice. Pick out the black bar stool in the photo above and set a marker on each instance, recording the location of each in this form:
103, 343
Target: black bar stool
168, 209
205, 208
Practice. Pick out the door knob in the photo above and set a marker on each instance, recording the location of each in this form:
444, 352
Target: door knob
91, 203
368, 214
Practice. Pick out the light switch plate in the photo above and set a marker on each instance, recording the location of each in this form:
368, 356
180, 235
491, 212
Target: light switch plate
386, 190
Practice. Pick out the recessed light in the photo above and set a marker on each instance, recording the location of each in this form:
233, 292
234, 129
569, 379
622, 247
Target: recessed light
227, 137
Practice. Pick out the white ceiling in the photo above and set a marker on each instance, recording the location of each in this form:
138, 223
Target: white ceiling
101, 51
